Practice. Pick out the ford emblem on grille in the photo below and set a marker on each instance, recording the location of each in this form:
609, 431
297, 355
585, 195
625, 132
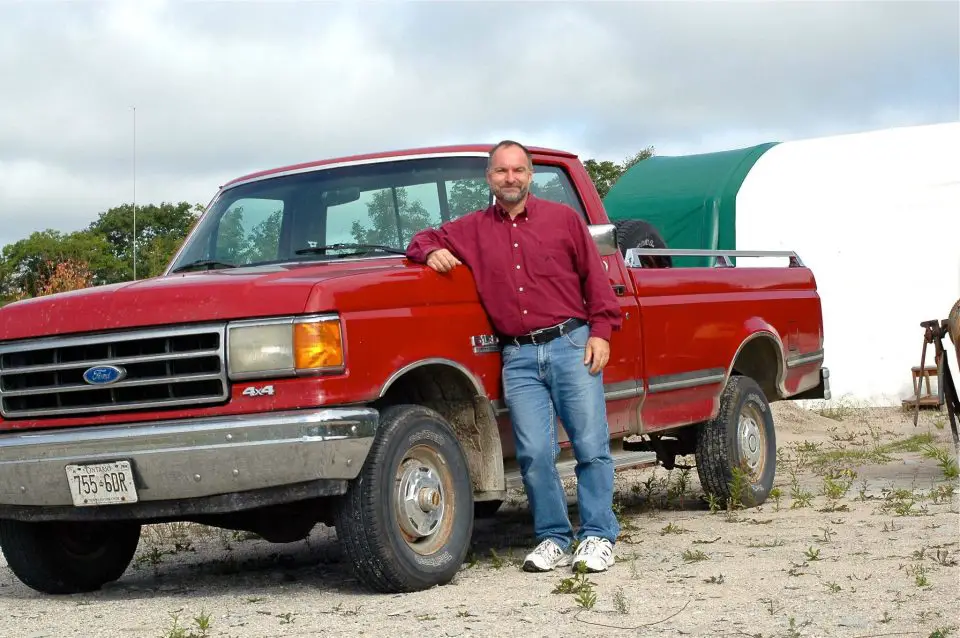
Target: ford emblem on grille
103, 375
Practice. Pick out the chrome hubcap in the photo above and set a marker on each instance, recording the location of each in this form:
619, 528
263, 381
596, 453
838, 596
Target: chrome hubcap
750, 437
420, 499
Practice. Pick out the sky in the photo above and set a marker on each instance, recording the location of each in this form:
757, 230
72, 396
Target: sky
228, 87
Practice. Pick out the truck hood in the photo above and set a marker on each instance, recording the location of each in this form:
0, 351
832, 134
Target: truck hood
261, 291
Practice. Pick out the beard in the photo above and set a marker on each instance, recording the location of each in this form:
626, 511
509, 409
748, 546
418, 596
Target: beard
511, 196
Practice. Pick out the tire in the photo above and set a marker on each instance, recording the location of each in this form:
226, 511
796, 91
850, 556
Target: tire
742, 435
396, 546
636, 233
68, 557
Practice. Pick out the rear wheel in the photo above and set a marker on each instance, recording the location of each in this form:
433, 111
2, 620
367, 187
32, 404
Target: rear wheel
406, 521
68, 557
737, 451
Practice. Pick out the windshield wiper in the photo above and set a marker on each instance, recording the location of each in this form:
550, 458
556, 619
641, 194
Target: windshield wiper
357, 248
207, 264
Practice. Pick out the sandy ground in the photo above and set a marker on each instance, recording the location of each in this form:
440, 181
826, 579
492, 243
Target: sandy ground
863, 541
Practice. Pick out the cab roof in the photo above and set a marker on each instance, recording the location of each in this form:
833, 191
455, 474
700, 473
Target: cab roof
426, 150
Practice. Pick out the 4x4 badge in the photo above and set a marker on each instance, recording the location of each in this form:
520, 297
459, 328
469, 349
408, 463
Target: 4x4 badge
254, 391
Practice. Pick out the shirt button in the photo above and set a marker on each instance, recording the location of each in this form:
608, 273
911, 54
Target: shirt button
515, 244
518, 266
520, 289
514, 224
524, 312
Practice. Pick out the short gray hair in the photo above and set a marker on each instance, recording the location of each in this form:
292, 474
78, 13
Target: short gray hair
505, 144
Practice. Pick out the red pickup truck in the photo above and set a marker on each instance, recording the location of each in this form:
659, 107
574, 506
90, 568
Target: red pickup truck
292, 367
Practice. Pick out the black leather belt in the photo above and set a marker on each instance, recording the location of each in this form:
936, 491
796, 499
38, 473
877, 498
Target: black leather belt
545, 335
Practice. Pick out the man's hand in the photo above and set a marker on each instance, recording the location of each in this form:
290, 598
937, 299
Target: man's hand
442, 260
598, 353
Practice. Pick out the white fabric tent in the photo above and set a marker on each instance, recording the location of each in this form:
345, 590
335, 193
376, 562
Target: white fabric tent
877, 217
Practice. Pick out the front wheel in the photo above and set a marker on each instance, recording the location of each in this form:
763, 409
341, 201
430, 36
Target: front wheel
68, 557
406, 521
737, 451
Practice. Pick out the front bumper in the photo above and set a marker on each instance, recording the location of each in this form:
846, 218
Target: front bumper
191, 458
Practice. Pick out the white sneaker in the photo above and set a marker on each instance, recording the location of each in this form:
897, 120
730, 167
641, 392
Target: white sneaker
546, 557
595, 553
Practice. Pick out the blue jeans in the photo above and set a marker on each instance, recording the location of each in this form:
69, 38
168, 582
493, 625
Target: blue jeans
540, 383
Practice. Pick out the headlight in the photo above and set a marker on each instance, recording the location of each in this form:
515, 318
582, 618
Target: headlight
284, 347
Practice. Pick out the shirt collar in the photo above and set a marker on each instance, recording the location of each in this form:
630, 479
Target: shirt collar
529, 207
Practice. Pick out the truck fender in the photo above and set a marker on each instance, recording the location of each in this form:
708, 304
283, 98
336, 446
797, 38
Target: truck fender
760, 357
454, 391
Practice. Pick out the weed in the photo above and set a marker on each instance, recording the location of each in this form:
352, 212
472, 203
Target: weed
943, 558
771, 605
777, 542
202, 622
714, 502
692, 556
948, 465
792, 630
827, 535
672, 529
919, 573
579, 585
832, 587
714, 580
740, 494
813, 553
776, 494
681, 486
620, 601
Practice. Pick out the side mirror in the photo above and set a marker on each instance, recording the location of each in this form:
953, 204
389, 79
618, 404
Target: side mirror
605, 237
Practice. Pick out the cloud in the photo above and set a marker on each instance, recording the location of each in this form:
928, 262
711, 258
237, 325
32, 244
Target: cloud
224, 88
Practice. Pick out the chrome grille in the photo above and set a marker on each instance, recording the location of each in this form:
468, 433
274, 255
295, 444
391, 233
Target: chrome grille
163, 368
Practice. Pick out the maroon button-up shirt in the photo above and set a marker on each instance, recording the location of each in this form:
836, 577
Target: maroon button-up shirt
531, 272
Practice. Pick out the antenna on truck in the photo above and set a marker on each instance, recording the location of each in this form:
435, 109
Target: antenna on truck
134, 239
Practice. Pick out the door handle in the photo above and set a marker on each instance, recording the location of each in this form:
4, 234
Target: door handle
619, 289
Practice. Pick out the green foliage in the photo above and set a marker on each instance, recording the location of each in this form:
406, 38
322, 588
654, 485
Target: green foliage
605, 173
104, 247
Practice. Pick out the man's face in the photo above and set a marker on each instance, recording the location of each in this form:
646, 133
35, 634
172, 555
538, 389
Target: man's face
509, 174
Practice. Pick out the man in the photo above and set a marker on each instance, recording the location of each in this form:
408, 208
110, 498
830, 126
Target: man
543, 285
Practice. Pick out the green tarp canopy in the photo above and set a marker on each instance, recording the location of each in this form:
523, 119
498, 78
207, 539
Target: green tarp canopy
690, 199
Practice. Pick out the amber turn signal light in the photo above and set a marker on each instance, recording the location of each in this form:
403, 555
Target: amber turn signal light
317, 345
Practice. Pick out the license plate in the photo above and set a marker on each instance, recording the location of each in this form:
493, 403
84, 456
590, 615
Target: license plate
101, 484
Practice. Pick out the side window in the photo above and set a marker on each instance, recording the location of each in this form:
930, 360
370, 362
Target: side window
250, 231
551, 182
387, 216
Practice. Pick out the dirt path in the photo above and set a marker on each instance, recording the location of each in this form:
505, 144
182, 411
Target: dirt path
864, 540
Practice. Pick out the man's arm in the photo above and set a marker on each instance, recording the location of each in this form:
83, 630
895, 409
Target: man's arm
445, 247
603, 309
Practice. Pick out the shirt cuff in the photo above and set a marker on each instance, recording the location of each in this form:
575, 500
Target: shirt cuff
601, 329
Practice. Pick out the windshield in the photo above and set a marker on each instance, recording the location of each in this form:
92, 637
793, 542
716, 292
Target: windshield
375, 204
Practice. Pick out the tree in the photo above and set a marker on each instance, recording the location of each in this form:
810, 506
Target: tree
604, 174
169, 222
26, 265
66, 276
468, 195
385, 218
